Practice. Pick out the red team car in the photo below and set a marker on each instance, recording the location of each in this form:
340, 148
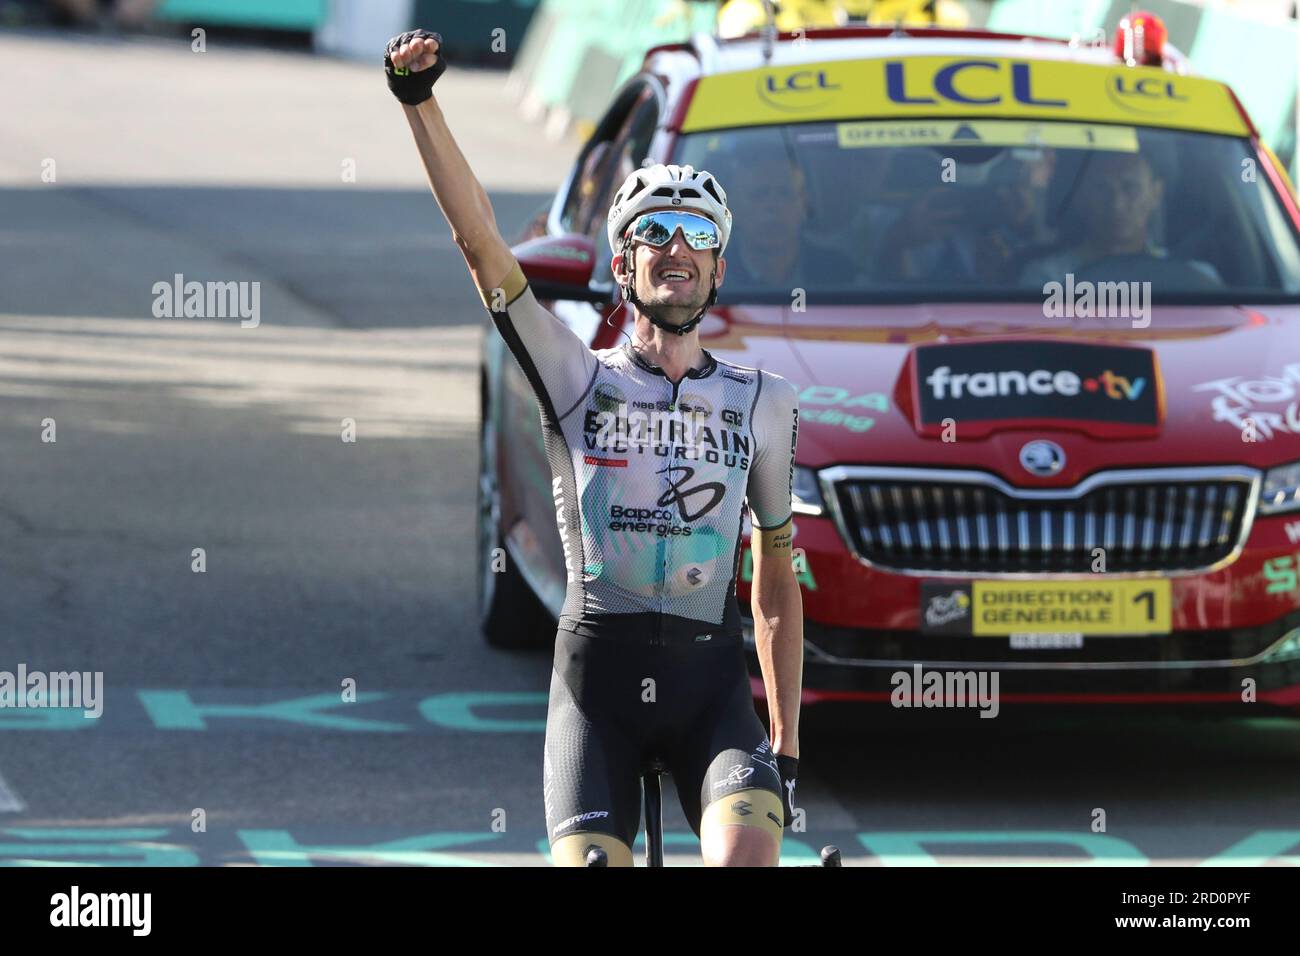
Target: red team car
1042, 303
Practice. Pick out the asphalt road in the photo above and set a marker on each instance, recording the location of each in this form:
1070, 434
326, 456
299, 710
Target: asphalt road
329, 561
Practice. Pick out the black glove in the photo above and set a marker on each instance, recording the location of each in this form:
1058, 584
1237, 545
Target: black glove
413, 88
788, 768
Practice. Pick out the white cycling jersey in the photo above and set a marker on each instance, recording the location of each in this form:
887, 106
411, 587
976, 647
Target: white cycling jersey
650, 476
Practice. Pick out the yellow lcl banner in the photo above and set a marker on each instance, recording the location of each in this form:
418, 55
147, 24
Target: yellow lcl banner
964, 87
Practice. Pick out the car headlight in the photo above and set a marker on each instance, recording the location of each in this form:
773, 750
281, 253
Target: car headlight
807, 493
1280, 492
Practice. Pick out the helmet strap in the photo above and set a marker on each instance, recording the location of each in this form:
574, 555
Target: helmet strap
630, 296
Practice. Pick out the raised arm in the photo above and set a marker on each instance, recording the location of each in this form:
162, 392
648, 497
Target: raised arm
558, 365
459, 193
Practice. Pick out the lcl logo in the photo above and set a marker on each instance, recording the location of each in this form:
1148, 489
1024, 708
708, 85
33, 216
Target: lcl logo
792, 91
1150, 94
1008, 81
1148, 86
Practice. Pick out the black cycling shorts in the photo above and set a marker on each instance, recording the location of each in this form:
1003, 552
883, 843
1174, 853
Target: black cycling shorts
618, 702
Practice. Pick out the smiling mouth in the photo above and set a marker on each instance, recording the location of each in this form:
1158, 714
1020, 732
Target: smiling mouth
673, 276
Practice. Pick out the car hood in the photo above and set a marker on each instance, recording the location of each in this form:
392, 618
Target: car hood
1215, 366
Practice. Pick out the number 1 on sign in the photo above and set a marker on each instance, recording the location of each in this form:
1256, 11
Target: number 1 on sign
1150, 599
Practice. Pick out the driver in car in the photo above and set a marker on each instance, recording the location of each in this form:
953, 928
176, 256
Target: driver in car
1112, 210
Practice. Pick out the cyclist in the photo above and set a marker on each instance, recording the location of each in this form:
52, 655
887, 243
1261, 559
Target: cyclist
654, 447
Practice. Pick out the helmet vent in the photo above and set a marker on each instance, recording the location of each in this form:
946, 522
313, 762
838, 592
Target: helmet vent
664, 191
712, 191
688, 193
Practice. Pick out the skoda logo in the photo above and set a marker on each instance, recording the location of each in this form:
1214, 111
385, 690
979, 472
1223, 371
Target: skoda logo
1042, 458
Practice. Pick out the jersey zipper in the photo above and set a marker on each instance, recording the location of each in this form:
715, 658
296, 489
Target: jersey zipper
663, 573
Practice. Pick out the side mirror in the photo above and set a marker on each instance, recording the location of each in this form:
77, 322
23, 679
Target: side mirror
560, 267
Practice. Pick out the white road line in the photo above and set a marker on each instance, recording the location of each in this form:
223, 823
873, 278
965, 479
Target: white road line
10, 802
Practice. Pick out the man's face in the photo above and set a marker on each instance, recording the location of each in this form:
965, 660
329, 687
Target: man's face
1119, 196
772, 217
1019, 185
673, 275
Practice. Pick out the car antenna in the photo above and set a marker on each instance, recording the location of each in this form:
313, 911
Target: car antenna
769, 29
898, 29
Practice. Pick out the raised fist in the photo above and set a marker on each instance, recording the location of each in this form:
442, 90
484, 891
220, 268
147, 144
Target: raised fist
412, 64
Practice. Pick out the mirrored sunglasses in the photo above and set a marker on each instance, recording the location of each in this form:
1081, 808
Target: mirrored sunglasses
657, 228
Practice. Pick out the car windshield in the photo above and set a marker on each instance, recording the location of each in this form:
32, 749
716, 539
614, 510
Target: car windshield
926, 210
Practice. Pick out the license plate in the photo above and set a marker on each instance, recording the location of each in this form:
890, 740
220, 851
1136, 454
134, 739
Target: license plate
1086, 608
1046, 642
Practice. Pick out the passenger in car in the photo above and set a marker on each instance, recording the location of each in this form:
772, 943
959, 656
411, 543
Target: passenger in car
1110, 213
779, 247
973, 234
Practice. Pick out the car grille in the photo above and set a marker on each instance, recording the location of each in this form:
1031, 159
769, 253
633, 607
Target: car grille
923, 521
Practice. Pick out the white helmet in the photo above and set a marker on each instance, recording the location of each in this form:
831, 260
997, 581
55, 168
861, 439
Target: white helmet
660, 186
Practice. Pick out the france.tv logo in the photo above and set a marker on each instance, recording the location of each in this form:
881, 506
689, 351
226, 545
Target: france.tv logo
947, 385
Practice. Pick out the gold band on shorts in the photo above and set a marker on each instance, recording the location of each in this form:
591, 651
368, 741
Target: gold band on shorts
571, 850
751, 808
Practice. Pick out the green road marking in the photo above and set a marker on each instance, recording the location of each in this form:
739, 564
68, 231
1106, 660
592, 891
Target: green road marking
179, 710
456, 711
1265, 846
91, 847
906, 849
44, 718
174, 710
150, 846
278, 848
